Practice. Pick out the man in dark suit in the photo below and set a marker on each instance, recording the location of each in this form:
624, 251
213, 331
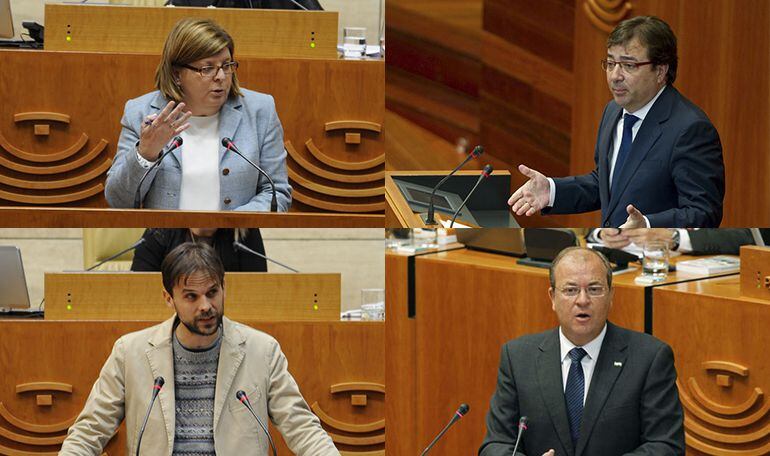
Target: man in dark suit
658, 157
587, 387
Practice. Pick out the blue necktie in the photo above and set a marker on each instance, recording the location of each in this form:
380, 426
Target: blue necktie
625, 147
573, 394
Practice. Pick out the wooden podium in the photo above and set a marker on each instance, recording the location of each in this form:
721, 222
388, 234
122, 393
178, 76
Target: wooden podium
138, 296
48, 368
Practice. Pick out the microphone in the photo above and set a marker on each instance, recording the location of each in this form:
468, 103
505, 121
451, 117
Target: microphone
522, 427
138, 200
461, 411
229, 145
132, 247
484, 174
429, 220
241, 396
298, 4
238, 246
157, 385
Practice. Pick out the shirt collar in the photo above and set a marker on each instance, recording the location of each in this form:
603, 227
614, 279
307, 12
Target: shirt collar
592, 348
641, 113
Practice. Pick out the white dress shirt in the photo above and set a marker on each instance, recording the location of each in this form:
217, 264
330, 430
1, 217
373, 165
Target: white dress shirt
588, 362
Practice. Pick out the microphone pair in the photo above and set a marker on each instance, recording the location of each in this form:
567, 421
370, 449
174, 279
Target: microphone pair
240, 395
228, 144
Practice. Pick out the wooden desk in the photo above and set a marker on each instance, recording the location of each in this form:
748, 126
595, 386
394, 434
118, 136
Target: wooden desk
320, 355
137, 296
59, 217
143, 30
449, 314
720, 341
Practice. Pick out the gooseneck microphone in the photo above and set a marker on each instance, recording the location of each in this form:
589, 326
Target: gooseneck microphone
157, 385
244, 399
484, 174
138, 200
238, 246
461, 411
112, 257
522, 427
429, 220
229, 145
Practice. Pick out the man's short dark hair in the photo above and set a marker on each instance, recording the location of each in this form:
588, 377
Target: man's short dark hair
187, 259
654, 34
563, 253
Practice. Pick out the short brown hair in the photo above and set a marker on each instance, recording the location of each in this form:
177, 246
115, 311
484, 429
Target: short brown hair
567, 251
655, 35
188, 258
188, 41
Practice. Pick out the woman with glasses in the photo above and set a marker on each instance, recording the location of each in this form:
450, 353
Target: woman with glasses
199, 100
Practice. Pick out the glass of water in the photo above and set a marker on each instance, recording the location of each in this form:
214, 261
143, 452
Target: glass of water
655, 261
373, 304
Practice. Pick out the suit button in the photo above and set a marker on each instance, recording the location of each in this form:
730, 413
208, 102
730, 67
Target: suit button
228, 200
606, 224
225, 171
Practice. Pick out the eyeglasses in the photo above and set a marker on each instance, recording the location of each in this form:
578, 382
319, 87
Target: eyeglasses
627, 67
211, 71
594, 291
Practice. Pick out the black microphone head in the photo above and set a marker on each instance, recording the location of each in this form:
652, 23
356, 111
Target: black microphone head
159, 382
487, 170
177, 141
463, 409
478, 150
226, 142
523, 422
240, 395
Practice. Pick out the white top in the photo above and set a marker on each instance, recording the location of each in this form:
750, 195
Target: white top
200, 165
588, 362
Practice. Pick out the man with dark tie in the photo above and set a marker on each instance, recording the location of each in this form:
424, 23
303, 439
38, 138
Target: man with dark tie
658, 157
587, 387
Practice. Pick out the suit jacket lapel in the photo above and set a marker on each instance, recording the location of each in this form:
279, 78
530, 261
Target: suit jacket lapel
646, 137
552, 389
606, 138
229, 120
230, 357
160, 356
605, 374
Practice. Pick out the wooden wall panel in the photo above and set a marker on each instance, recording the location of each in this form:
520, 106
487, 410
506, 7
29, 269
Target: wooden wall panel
710, 322
717, 41
309, 95
319, 355
138, 296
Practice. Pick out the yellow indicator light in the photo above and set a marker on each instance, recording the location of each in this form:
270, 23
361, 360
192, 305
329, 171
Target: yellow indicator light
69, 306
69, 38
312, 45
315, 306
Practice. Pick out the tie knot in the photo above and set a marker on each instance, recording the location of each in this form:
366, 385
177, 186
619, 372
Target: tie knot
577, 354
629, 120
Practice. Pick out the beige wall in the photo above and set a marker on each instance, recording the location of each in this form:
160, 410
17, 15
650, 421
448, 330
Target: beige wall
358, 254
353, 13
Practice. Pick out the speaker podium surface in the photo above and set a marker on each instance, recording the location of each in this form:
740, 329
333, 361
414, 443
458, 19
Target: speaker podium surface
408, 194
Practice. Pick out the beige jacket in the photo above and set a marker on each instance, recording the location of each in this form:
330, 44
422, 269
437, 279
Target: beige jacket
249, 360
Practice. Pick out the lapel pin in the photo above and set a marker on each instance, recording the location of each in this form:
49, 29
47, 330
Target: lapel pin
618, 364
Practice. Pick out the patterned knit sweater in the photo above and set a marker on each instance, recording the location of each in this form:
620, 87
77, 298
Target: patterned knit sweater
195, 381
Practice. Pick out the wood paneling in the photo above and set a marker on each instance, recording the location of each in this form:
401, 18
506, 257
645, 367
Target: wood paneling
308, 93
143, 30
320, 355
717, 42
718, 336
126, 218
755, 272
138, 296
